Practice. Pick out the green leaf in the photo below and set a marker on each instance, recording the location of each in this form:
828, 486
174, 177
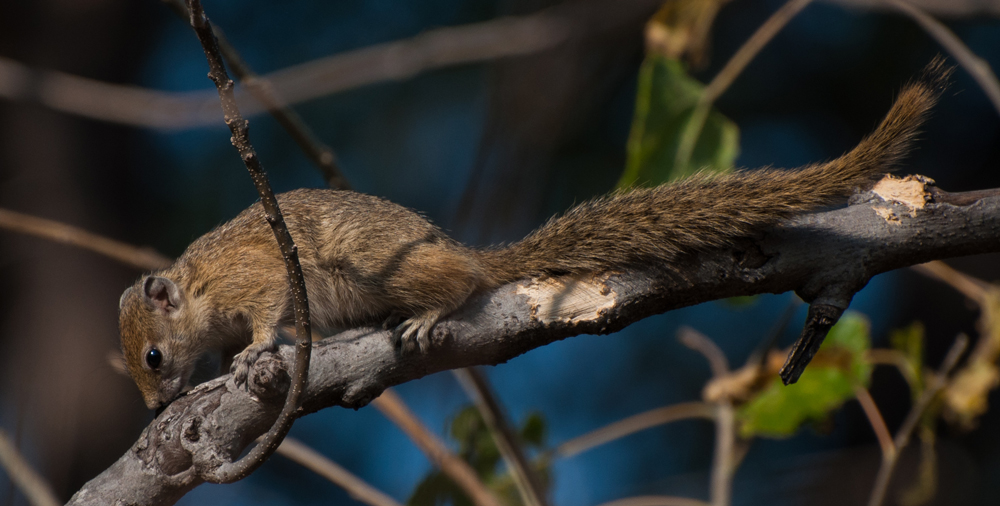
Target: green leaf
852, 334
910, 342
477, 447
465, 425
665, 100
740, 301
533, 430
437, 489
779, 410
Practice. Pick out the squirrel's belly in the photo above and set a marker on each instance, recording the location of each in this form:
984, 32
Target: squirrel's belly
336, 303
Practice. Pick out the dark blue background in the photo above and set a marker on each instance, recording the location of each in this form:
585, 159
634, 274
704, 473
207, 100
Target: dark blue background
809, 96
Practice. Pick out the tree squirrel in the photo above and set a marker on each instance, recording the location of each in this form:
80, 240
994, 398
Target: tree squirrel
367, 260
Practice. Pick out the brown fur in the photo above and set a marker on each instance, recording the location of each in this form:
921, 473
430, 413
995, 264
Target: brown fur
366, 259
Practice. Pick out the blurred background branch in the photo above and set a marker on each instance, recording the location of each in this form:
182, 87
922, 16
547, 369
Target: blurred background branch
136, 106
978, 68
262, 90
295, 450
457, 469
138, 257
34, 487
478, 389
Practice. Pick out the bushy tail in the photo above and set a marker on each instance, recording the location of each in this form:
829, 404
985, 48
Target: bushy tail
656, 225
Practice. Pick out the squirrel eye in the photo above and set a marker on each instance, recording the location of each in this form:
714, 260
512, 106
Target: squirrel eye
153, 358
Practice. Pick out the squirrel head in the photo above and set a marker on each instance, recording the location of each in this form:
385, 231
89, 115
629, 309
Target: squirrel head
157, 354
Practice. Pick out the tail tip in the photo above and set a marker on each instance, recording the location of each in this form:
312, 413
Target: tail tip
936, 75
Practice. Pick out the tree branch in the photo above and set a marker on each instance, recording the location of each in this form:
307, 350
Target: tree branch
656, 500
437, 452
876, 420
699, 342
720, 83
477, 387
229, 470
975, 289
806, 254
635, 423
391, 61
977, 67
23, 476
723, 467
262, 90
952, 8
935, 385
140, 258
357, 488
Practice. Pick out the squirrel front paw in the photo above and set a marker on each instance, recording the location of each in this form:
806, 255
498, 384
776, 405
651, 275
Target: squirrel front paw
245, 359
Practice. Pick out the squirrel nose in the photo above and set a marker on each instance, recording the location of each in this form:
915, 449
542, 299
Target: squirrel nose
155, 404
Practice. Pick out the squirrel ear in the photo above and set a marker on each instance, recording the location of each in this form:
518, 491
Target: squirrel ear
121, 300
163, 294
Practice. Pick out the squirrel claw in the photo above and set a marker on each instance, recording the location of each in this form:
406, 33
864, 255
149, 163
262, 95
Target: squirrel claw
244, 361
415, 332
394, 319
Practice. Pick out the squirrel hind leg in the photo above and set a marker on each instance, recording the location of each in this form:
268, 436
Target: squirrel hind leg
415, 332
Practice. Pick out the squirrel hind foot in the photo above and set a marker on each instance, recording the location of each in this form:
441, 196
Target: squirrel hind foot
244, 361
415, 332
392, 321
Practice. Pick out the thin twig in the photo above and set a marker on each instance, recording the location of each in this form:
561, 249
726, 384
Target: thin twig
141, 258
357, 488
875, 419
38, 492
635, 423
977, 67
477, 387
728, 74
894, 358
233, 471
457, 469
952, 9
442, 47
702, 344
934, 386
965, 396
656, 500
723, 467
262, 90
969, 286
725, 419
